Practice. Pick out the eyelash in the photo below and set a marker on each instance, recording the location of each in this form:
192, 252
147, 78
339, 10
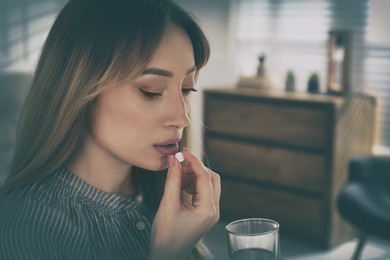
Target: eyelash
187, 91
149, 95
153, 95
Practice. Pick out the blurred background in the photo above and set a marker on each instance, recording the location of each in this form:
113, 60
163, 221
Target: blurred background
291, 35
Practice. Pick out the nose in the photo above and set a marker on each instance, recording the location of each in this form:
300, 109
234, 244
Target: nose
177, 113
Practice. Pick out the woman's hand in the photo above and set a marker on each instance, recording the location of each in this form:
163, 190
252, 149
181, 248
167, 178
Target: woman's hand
180, 224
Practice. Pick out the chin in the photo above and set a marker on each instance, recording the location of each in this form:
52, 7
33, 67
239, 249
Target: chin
159, 165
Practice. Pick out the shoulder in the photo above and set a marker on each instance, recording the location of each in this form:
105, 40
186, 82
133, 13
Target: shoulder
31, 221
39, 206
23, 227
25, 203
22, 208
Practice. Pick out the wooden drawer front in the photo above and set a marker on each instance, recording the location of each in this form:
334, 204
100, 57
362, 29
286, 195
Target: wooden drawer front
286, 167
282, 123
300, 216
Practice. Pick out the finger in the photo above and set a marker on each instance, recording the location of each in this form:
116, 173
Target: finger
193, 164
216, 180
172, 188
186, 169
204, 187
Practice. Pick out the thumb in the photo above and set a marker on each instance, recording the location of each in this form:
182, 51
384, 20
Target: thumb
173, 181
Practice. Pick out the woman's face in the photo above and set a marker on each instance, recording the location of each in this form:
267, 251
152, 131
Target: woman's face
142, 122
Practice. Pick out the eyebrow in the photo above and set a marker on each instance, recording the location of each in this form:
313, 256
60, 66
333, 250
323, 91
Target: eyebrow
165, 73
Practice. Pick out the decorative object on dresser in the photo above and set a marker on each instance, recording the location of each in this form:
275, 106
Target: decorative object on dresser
339, 48
290, 81
313, 85
261, 72
284, 156
261, 80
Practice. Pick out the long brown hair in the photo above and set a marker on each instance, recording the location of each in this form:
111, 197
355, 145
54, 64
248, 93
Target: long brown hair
92, 45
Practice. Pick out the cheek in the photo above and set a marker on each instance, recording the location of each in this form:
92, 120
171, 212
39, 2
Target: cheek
119, 116
120, 121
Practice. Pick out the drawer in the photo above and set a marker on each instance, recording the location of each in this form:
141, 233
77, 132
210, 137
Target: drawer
306, 171
275, 122
299, 216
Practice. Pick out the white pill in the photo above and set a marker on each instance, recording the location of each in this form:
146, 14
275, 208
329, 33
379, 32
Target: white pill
179, 156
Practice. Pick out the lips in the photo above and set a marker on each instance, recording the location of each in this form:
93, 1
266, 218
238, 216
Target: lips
168, 147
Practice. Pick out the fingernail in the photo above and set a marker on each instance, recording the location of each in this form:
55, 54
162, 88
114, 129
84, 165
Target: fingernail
171, 161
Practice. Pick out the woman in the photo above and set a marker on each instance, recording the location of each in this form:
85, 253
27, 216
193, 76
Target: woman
93, 175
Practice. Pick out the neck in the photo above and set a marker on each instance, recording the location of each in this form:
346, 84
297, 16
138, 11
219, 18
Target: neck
99, 169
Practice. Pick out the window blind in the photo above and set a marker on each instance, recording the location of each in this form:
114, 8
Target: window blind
377, 82
293, 35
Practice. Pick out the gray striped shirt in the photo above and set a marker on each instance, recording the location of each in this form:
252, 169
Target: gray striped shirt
63, 217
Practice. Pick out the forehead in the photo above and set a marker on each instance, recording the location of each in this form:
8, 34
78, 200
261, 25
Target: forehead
175, 51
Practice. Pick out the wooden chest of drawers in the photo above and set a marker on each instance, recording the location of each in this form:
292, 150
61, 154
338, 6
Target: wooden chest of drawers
285, 155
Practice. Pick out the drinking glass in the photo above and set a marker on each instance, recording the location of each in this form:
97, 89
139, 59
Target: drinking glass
253, 239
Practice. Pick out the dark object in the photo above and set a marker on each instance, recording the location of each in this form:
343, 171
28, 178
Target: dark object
290, 81
313, 86
365, 199
261, 66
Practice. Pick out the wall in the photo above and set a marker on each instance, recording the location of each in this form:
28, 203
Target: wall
379, 20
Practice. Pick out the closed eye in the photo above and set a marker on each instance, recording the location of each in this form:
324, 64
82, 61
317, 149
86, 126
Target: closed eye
149, 95
187, 91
